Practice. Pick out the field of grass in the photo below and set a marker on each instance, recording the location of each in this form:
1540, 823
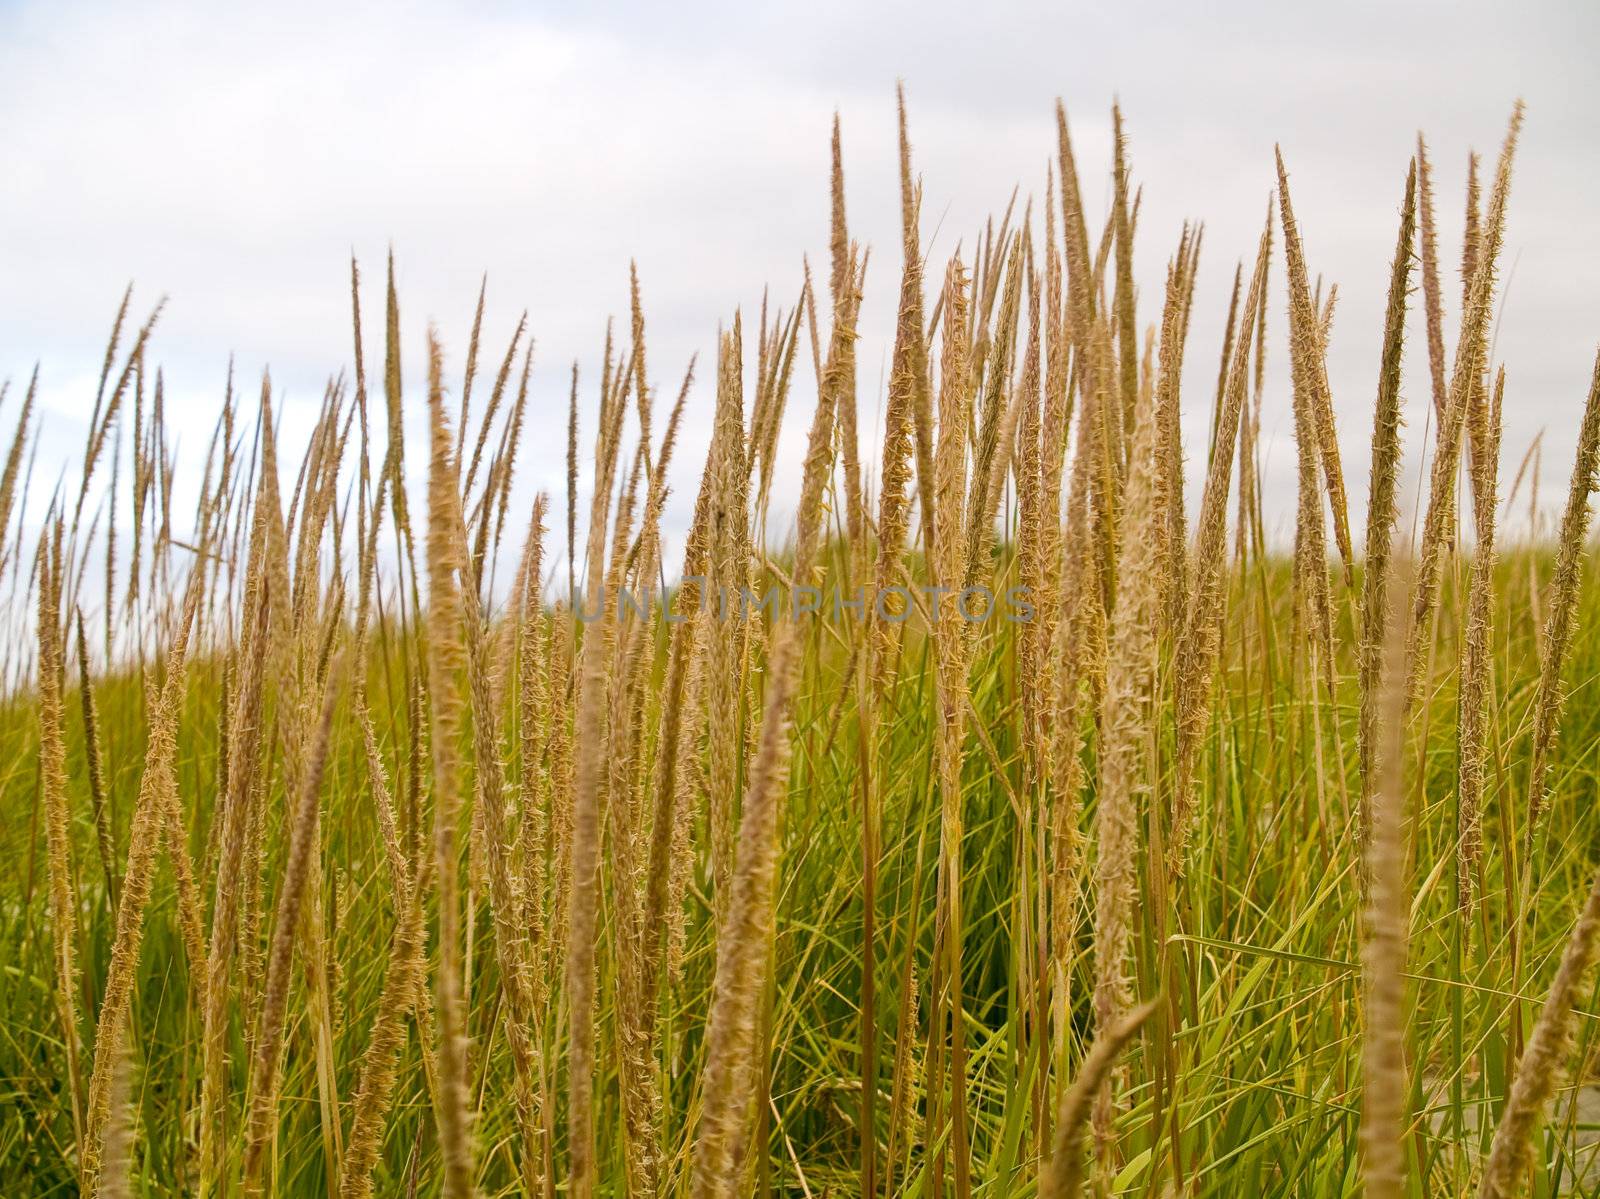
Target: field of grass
371, 838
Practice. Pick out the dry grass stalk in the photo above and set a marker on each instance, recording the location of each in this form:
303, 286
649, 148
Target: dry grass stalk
1031, 548
583, 853
505, 892
1472, 235
109, 359
1079, 638
905, 1125
191, 922
234, 818
1325, 321
727, 570
1472, 250
572, 486
13, 467
496, 399
1381, 490
105, 842
1432, 307
1125, 768
116, 1173
471, 370
58, 820
1057, 629
641, 1085
444, 624
1312, 615
1476, 666
1174, 533
774, 375
1439, 523
681, 715
533, 740
840, 280
116, 999
1063, 1174
103, 418
278, 667
399, 864
916, 347
952, 650
504, 467
1250, 434
402, 985
903, 433
1122, 227
1229, 332
1384, 1119
1308, 343
1563, 599
999, 408
1058, 411
1095, 368
743, 941
298, 866
1199, 646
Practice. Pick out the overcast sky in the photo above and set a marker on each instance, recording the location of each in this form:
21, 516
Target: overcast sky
233, 157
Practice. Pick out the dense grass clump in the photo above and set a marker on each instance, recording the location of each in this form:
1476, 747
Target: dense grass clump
352, 850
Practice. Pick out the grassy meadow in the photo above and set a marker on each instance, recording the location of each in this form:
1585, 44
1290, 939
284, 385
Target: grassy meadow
366, 832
